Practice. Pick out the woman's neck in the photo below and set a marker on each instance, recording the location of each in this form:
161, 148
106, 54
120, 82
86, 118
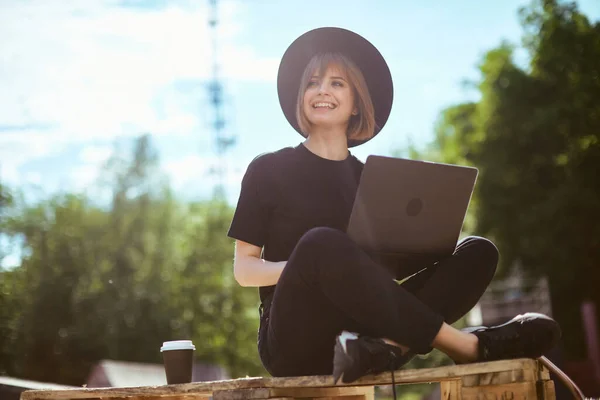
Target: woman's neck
328, 144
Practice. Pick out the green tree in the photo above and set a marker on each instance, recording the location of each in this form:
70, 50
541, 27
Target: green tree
535, 137
115, 281
6, 207
11, 284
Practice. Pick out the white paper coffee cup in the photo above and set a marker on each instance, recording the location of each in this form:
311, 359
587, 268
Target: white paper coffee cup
178, 356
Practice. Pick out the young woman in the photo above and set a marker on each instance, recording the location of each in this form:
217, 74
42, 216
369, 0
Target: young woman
316, 285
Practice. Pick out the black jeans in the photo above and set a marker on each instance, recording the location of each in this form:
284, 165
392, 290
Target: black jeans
329, 284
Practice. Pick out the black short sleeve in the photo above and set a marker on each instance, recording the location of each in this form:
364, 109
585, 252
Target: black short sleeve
251, 218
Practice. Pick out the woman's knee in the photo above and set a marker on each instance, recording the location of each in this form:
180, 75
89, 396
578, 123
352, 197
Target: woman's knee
483, 252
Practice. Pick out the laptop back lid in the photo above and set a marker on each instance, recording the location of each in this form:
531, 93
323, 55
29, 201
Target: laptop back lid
410, 207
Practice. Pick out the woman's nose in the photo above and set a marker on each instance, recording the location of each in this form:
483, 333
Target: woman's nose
322, 88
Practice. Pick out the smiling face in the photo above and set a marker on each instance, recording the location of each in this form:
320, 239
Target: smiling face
333, 94
329, 98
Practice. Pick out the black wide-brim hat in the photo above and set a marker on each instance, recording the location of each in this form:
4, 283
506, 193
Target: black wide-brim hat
335, 40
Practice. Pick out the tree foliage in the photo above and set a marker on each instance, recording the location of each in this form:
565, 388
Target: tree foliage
535, 137
116, 281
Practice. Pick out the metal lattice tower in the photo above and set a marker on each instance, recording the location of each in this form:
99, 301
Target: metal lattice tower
215, 88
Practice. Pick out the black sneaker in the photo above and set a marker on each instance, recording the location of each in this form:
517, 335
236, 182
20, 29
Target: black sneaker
525, 336
355, 356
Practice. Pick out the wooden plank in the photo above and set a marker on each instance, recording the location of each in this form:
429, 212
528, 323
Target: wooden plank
362, 392
334, 392
451, 390
242, 394
530, 373
196, 389
499, 378
423, 375
349, 397
508, 391
546, 390
544, 372
185, 397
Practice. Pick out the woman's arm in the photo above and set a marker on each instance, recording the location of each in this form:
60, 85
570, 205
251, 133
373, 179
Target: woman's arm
251, 270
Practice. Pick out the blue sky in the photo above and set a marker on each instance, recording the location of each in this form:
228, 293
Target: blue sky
78, 76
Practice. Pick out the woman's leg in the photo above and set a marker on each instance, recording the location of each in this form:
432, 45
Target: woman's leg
454, 285
328, 285
451, 287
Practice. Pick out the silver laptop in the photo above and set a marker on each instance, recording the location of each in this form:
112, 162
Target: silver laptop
410, 207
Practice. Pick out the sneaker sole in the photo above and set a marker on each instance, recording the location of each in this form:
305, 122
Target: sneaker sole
520, 316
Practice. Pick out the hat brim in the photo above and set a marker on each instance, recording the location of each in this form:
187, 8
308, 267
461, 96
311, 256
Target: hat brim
335, 40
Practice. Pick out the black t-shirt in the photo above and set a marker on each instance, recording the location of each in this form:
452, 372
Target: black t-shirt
286, 193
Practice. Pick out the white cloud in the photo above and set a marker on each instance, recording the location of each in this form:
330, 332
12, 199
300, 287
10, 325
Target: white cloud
244, 64
93, 70
8, 173
33, 177
194, 171
18, 146
188, 169
91, 74
95, 154
91, 160
83, 176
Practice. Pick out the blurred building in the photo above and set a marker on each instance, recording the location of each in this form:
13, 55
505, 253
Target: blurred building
506, 298
518, 294
11, 388
111, 373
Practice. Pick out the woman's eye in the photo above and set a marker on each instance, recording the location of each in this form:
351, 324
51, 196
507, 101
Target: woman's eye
338, 83
312, 83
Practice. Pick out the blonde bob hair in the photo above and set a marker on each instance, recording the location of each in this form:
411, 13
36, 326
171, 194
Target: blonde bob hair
360, 126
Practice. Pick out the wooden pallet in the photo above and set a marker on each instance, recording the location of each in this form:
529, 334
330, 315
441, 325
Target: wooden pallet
502, 380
